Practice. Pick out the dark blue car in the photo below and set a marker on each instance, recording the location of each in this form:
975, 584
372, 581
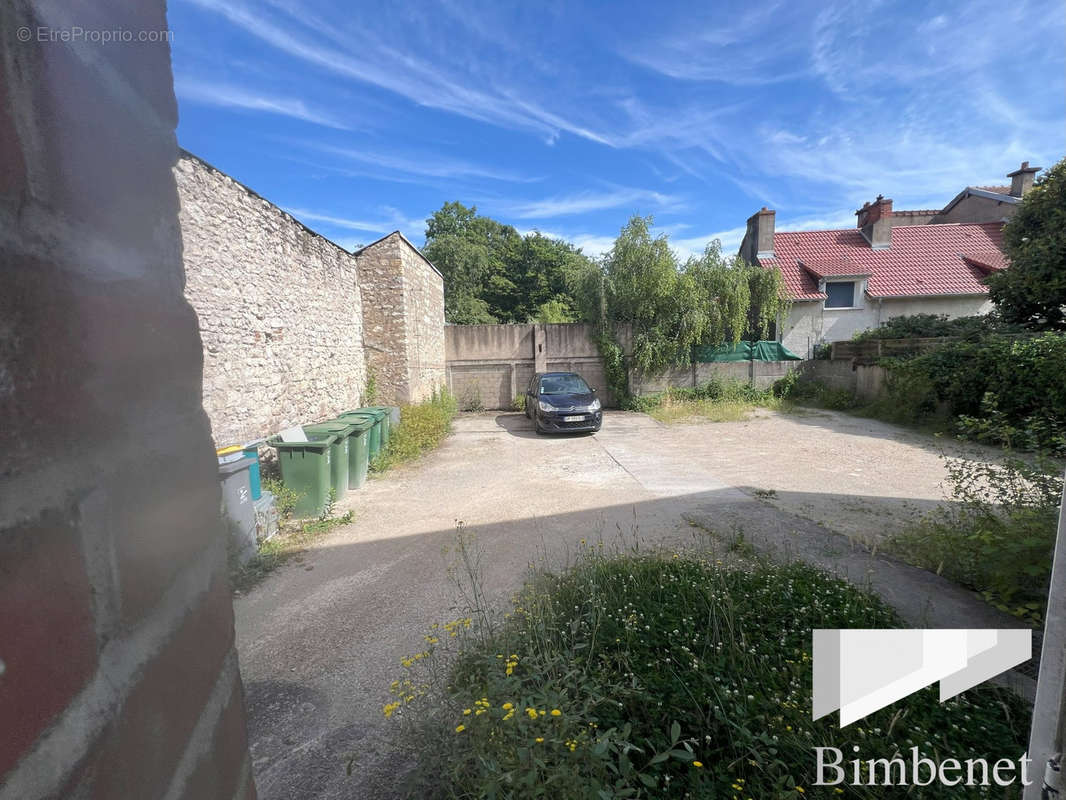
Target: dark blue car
561, 402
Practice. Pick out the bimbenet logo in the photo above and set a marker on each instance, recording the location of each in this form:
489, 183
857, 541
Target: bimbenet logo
859, 671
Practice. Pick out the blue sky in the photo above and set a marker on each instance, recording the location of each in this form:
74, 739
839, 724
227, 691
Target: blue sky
361, 118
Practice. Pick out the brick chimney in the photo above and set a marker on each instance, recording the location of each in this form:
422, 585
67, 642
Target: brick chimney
1021, 180
875, 222
759, 238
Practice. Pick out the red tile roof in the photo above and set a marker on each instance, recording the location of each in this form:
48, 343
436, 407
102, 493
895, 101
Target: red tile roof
996, 189
991, 261
922, 260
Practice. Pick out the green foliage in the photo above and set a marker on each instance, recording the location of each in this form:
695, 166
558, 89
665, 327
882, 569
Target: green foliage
813, 393
644, 287
554, 311
422, 428
518, 403
1003, 389
472, 401
285, 499
998, 535
615, 366
371, 386
494, 274
1032, 291
662, 675
716, 400
671, 308
918, 326
288, 543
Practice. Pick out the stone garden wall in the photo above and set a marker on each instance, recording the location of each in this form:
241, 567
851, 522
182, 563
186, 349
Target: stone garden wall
280, 309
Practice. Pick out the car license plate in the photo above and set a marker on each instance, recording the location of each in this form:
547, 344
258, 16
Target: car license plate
574, 419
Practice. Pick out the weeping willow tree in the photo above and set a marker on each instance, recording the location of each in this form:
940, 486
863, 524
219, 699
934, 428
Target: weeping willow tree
672, 307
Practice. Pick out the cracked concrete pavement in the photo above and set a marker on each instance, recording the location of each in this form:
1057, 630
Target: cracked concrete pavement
321, 640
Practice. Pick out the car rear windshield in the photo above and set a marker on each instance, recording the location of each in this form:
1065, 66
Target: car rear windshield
563, 384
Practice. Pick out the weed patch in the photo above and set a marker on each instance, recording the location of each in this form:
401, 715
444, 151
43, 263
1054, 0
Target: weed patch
714, 401
998, 535
422, 428
660, 675
291, 540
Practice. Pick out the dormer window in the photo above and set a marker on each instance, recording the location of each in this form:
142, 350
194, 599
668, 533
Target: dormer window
840, 294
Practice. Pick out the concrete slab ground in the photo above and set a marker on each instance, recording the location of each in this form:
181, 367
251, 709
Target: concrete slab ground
321, 640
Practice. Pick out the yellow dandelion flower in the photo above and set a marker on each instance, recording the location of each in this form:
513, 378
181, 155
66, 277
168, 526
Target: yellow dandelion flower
460, 728
697, 764
507, 706
539, 739
556, 712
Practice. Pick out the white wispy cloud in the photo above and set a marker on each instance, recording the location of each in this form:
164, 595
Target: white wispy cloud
366, 59
227, 96
392, 220
733, 51
427, 164
635, 200
592, 244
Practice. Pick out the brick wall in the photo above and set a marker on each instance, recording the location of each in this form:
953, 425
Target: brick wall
119, 677
279, 307
403, 323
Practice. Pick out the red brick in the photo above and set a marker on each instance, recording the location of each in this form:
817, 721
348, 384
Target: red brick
167, 515
151, 731
219, 774
12, 162
47, 635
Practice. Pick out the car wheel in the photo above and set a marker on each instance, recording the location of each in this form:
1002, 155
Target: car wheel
540, 430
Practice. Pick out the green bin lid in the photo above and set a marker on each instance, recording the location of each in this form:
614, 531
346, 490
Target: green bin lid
319, 441
361, 422
338, 426
371, 412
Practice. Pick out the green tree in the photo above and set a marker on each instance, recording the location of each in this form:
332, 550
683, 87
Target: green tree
671, 308
493, 274
643, 286
1032, 290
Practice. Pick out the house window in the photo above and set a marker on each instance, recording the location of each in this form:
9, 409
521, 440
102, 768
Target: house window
840, 294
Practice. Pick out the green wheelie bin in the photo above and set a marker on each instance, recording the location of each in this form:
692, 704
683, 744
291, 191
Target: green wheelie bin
375, 439
339, 457
385, 415
305, 470
358, 448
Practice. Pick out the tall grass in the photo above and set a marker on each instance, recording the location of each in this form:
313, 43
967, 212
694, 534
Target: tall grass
714, 401
660, 675
422, 428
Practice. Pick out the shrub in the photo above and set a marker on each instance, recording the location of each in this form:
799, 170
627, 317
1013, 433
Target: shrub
663, 675
813, 393
284, 498
998, 535
518, 403
917, 326
716, 400
1003, 389
421, 429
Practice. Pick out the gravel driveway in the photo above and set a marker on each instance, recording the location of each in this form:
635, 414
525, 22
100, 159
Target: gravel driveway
321, 640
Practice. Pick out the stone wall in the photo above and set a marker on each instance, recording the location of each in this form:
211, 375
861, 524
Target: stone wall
403, 301
118, 675
423, 303
279, 307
